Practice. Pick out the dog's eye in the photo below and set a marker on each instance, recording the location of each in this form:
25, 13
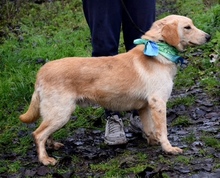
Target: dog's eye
187, 27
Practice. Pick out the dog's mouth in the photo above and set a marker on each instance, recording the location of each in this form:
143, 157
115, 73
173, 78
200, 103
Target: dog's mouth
192, 43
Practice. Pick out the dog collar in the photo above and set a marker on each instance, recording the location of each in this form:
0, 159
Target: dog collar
154, 49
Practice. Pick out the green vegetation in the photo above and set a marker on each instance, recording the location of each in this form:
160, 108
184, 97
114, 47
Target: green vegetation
134, 164
200, 69
187, 101
31, 34
181, 121
183, 159
211, 141
190, 138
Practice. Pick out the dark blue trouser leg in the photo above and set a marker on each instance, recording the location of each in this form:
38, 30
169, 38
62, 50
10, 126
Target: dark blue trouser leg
104, 20
105, 17
142, 13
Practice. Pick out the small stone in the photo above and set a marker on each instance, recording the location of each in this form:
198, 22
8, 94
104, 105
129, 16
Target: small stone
211, 115
78, 143
199, 112
208, 104
197, 144
43, 170
29, 173
183, 170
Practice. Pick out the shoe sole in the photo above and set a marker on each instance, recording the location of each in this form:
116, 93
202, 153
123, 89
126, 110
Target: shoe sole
115, 143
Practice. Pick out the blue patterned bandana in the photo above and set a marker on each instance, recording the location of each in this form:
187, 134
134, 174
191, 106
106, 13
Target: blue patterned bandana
154, 49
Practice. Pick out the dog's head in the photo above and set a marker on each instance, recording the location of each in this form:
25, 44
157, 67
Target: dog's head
178, 31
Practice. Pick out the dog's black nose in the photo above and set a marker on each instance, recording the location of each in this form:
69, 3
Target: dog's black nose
208, 37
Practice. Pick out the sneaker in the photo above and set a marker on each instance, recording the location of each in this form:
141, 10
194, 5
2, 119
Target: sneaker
114, 131
136, 125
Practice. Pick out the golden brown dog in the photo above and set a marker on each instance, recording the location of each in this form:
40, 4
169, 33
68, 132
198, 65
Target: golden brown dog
123, 82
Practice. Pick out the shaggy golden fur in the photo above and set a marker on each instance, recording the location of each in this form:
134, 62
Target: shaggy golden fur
123, 82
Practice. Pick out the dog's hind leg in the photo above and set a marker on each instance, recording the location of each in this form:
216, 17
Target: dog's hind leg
53, 144
55, 115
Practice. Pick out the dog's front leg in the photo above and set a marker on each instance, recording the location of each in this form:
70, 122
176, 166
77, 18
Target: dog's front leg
154, 122
148, 126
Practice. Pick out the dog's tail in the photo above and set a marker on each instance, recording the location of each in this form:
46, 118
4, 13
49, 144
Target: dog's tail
33, 112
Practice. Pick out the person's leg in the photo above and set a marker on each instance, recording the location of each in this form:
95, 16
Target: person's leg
142, 13
104, 20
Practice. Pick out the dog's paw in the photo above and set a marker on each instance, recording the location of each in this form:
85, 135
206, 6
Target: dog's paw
48, 161
173, 150
54, 145
152, 141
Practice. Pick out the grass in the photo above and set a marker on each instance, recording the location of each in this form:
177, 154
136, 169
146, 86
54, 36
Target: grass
183, 159
181, 121
30, 33
200, 69
190, 138
187, 101
122, 165
210, 141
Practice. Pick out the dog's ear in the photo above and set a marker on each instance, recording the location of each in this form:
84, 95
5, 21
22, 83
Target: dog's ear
170, 34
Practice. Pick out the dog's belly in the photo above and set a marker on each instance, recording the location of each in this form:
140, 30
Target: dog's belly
115, 104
